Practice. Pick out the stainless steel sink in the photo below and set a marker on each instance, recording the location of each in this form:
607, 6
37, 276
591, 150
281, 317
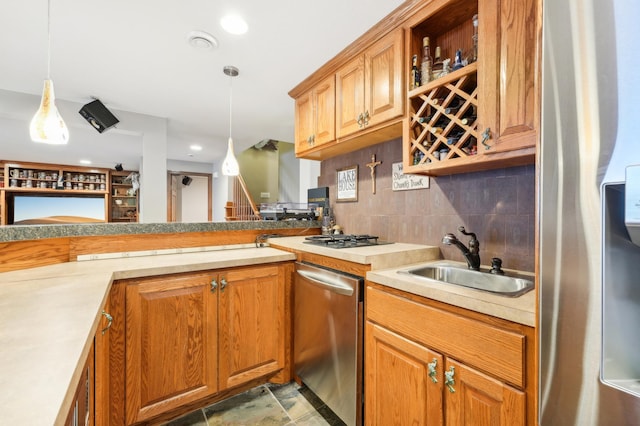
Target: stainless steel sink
506, 285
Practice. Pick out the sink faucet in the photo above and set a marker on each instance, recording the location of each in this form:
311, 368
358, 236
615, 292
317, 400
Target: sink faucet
471, 254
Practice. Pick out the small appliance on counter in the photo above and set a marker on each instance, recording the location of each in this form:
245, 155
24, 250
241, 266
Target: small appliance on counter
288, 211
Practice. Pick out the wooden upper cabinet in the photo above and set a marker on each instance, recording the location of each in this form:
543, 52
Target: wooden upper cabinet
315, 116
476, 396
509, 73
252, 324
171, 345
369, 88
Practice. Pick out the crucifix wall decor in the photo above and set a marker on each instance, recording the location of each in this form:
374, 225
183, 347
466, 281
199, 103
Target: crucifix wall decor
372, 165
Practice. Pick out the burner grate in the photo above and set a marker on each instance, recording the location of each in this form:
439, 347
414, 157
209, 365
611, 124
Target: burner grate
343, 241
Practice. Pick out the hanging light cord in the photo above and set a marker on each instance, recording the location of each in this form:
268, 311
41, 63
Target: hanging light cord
230, 103
48, 39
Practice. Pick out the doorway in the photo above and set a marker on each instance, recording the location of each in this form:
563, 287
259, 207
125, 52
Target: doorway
189, 198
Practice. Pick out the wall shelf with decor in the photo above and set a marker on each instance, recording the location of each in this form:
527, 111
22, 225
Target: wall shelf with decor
111, 191
36, 177
123, 206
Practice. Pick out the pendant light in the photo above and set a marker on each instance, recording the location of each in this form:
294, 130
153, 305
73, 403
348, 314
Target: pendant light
230, 166
47, 126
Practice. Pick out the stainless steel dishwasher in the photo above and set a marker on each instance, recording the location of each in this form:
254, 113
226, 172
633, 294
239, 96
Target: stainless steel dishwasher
327, 338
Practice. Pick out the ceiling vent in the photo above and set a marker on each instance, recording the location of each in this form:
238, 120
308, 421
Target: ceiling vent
202, 40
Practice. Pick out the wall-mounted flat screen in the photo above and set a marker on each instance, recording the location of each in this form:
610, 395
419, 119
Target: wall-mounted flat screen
30, 210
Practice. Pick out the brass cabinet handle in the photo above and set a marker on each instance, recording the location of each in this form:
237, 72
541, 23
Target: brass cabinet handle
432, 370
223, 284
214, 285
360, 120
311, 140
485, 137
366, 118
448, 379
110, 319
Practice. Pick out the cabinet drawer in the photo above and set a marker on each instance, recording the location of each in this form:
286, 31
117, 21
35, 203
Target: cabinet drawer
488, 348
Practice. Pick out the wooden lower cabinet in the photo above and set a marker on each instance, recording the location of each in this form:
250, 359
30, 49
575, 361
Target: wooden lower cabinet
426, 365
179, 341
171, 344
399, 387
479, 399
251, 327
81, 411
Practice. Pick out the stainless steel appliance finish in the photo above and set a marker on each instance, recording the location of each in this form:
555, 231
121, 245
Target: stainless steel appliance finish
620, 367
505, 285
590, 132
328, 315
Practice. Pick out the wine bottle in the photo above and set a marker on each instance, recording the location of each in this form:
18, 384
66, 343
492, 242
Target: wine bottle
452, 138
439, 126
436, 67
454, 106
457, 64
415, 72
468, 120
425, 72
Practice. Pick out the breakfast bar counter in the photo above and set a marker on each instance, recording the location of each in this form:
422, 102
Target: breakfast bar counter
49, 314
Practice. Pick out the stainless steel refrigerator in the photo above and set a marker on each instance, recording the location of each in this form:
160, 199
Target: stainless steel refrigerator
589, 263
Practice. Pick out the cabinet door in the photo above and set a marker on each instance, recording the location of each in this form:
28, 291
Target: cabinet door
81, 412
304, 116
509, 73
383, 64
477, 399
325, 106
102, 374
251, 324
399, 387
171, 346
350, 97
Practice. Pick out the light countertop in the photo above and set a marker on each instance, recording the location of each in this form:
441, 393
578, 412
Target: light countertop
517, 309
48, 316
379, 256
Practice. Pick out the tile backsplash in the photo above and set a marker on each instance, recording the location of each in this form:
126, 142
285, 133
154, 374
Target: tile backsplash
498, 205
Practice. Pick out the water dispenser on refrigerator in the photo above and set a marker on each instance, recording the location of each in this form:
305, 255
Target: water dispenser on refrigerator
620, 366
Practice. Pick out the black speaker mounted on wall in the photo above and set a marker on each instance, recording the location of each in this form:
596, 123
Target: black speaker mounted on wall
186, 181
98, 116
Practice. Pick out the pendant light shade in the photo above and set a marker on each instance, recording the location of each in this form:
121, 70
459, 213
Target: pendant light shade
230, 166
47, 126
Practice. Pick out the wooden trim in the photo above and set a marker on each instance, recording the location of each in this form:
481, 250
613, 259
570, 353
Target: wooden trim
16, 255
172, 182
28, 254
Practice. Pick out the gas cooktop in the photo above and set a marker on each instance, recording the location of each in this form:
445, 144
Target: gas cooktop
344, 241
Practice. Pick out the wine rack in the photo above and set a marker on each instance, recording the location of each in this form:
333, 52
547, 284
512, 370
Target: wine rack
442, 121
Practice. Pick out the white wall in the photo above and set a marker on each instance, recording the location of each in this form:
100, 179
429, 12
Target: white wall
194, 200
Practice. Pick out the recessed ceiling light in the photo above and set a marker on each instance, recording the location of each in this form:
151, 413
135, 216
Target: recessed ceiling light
85, 161
234, 24
202, 40
195, 148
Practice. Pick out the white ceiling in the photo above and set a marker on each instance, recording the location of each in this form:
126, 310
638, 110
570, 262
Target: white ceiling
133, 55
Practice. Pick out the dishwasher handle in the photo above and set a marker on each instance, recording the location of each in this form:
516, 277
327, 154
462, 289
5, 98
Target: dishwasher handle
327, 282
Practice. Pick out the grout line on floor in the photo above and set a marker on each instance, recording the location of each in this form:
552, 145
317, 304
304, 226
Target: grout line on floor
279, 404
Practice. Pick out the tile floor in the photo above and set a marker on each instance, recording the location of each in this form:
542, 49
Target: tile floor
266, 405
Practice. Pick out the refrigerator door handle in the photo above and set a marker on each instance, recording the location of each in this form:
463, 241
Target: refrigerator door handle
322, 280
